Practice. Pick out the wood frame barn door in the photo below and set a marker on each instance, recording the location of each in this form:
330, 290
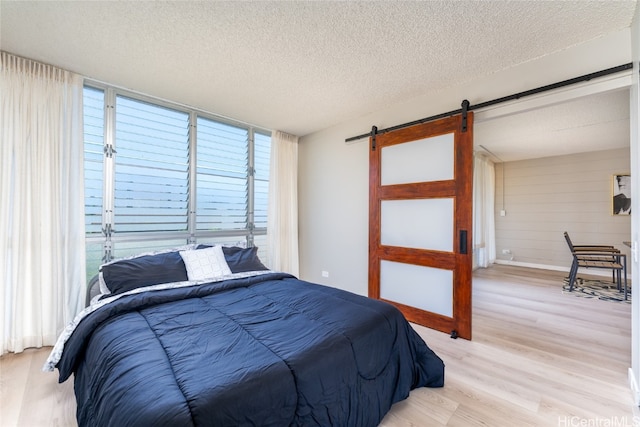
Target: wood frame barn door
420, 229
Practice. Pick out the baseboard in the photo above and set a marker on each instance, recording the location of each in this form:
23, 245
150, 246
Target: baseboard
634, 388
531, 265
591, 272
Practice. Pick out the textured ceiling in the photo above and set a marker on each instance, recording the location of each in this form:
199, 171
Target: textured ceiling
581, 125
298, 66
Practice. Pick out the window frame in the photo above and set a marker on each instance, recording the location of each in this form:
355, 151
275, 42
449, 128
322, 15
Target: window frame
110, 238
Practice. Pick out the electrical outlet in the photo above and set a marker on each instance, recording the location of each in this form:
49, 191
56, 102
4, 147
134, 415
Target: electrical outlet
325, 273
506, 251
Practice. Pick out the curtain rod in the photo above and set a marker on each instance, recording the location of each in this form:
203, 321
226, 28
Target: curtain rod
518, 95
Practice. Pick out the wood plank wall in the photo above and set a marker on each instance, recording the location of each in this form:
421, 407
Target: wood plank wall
547, 196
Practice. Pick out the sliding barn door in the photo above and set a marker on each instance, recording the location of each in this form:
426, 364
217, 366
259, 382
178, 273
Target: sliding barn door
420, 203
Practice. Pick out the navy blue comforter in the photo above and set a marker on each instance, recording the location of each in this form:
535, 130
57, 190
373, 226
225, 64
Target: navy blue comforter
268, 350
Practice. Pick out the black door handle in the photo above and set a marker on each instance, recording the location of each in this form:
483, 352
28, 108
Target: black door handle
463, 241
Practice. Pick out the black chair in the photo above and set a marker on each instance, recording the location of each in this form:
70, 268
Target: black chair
598, 256
591, 248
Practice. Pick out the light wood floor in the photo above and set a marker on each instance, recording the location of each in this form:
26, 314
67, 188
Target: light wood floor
538, 358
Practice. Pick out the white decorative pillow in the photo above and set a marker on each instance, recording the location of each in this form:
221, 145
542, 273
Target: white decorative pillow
206, 263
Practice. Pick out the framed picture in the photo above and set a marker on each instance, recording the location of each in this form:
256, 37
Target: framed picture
621, 194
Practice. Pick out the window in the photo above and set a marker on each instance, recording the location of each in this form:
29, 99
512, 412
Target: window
158, 175
262, 152
221, 175
151, 168
93, 155
94, 176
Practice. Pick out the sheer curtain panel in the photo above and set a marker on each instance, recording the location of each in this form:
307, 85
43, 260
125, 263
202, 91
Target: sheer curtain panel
42, 249
484, 234
282, 217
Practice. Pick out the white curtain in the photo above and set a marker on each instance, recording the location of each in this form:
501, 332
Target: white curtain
484, 235
282, 215
42, 250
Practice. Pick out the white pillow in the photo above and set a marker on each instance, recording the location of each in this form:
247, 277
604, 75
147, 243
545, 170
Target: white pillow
208, 263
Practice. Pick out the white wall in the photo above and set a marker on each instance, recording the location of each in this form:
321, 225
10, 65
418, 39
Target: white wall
544, 197
333, 175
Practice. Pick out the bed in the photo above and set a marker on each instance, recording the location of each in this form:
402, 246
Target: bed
208, 336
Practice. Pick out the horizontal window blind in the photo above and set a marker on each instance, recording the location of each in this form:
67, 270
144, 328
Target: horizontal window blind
262, 151
151, 168
93, 159
222, 167
153, 183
